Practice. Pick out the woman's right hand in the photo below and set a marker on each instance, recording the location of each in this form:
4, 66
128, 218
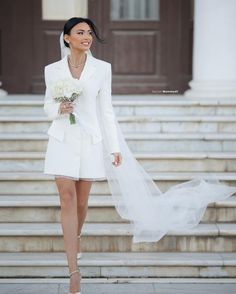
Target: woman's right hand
66, 107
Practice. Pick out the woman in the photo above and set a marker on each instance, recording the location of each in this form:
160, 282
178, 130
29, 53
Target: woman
75, 152
79, 154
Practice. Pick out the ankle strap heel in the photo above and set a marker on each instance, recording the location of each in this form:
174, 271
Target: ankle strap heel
71, 274
76, 271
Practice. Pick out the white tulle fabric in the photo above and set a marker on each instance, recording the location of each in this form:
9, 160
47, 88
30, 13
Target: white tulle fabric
137, 198
152, 212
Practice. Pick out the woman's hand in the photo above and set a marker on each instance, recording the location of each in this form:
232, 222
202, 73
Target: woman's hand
66, 107
117, 159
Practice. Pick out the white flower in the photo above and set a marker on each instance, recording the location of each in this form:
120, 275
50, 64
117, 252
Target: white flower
66, 91
65, 88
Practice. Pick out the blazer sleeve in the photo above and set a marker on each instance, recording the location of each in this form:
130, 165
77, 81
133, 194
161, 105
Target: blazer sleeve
107, 112
51, 108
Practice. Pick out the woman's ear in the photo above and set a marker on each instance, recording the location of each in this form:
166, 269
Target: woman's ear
66, 38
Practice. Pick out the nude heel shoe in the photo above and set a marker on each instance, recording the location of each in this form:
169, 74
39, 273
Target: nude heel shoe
72, 273
79, 254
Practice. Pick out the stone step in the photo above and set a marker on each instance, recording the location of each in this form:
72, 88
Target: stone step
28, 183
46, 208
138, 142
21, 105
116, 237
160, 124
151, 161
121, 265
129, 105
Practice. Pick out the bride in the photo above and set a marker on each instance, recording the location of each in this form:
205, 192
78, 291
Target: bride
94, 149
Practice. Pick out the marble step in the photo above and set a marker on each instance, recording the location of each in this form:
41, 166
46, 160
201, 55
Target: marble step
28, 183
160, 124
121, 265
205, 239
138, 142
46, 208
129, 105
116, 237
151, 161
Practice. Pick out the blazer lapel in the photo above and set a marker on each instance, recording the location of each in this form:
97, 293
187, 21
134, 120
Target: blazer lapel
88, 70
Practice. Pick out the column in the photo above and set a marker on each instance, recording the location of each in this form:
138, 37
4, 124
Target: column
2, 92
214, 50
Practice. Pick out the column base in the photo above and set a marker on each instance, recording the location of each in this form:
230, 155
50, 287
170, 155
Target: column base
3, 93
212, 90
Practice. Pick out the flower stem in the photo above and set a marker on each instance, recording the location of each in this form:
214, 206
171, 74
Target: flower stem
72, 119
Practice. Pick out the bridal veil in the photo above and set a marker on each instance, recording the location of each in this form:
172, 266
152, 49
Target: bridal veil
137, 198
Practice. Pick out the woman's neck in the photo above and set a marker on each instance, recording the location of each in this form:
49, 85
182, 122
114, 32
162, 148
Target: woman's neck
77, 57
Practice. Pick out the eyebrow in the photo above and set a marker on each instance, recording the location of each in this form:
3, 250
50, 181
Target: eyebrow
83, 30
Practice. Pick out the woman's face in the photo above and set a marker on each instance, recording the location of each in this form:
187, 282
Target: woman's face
80, 37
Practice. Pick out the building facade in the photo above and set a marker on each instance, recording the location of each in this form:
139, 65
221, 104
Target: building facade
148, 42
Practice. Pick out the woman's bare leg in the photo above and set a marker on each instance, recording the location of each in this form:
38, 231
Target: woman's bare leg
69, 222
82, 190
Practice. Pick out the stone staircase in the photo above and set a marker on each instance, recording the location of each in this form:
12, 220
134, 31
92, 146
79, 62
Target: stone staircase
175, 139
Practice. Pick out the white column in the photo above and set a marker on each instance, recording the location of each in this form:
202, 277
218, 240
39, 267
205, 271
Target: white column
214, 50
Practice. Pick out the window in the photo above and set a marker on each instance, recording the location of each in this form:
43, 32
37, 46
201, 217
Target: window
135, 10
63, 10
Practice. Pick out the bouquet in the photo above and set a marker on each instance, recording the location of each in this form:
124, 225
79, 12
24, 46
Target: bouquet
66, 91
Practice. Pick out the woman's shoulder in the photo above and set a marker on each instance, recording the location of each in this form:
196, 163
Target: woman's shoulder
52, 65
101, 63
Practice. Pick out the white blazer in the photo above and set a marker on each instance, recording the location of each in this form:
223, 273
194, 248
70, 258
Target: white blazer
95, 80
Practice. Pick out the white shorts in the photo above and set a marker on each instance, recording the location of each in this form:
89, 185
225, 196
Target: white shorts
76, 157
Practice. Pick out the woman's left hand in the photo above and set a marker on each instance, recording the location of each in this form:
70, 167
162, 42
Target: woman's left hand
117, 159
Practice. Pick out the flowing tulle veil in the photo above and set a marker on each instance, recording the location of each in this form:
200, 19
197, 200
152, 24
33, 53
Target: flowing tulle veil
137, 198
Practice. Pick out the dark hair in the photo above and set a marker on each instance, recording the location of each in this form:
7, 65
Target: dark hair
74, 21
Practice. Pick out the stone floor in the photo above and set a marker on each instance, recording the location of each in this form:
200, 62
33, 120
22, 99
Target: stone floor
55, 287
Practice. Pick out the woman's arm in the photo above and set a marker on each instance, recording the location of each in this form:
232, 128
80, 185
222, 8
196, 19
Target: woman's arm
107, 112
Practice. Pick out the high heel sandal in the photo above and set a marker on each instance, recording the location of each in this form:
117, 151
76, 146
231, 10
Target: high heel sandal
79, 254
72, 273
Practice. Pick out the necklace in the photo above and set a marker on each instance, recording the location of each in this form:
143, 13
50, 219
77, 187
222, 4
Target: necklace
73, 65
